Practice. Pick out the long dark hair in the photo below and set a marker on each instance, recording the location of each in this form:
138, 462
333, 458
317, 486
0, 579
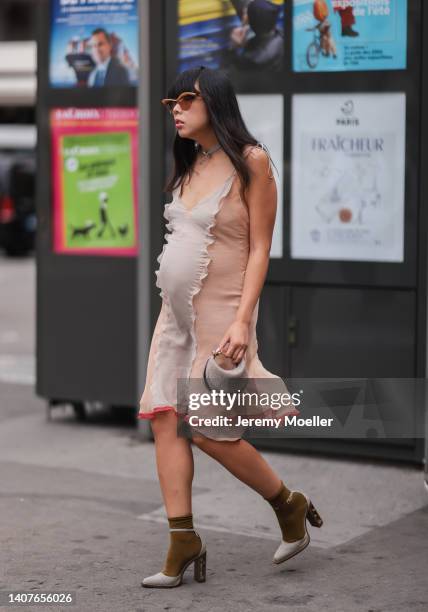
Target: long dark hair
226, 120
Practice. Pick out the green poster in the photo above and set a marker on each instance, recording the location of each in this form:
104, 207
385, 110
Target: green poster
98, 190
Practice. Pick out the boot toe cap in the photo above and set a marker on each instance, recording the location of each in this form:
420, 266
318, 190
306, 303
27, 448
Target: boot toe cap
160, 579
288, 549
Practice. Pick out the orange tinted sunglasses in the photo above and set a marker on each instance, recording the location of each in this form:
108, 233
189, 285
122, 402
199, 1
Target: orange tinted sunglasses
185, 100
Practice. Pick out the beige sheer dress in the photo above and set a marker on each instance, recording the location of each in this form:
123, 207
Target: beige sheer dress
200, 277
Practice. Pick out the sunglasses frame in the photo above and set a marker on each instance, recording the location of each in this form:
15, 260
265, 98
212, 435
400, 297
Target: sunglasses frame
167, 101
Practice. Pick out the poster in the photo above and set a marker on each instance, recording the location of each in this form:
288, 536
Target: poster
348, 169
94, 43
268, 128
342, 35
231, 34
95, 169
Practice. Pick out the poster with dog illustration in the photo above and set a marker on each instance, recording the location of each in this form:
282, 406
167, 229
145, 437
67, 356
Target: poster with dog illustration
344, 35
95, 181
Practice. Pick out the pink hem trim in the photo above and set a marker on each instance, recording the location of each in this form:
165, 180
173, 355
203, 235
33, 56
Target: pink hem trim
149, 415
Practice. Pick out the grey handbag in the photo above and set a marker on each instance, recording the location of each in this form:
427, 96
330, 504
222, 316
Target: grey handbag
218, 378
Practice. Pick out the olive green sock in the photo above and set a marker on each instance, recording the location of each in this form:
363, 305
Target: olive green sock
183, 544
290, 509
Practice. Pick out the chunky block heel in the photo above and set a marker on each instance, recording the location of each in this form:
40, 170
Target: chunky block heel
161, 580
313, 516
200, 568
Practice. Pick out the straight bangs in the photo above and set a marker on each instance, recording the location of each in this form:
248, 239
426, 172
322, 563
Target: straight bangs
184, 82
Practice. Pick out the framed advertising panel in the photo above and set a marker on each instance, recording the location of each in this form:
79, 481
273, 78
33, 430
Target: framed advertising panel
347, 178
93, 44
344, 35
81, 298
233, 35
94, 172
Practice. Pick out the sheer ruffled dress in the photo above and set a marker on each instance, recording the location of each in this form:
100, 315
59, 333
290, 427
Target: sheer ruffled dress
200, 277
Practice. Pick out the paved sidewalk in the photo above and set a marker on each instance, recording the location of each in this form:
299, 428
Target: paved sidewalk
82, 511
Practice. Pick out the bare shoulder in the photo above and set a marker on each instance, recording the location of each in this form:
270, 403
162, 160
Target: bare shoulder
258, 159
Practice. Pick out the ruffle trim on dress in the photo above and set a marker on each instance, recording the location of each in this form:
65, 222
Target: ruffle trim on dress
204, 261
202, 271
169, 227
167, 236
152, 413
157, 353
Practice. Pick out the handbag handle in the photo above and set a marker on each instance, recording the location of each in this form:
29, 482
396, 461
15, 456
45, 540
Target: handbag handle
220, 352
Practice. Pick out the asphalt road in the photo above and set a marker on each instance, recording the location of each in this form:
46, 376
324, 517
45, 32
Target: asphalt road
81, 510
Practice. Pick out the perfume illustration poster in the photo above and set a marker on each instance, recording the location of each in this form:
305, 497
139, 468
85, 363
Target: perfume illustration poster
94, 43
241, 35
348, 169
345, 35
95, 164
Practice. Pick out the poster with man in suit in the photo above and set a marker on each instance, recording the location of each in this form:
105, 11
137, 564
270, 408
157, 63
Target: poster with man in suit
108, 69
94, 46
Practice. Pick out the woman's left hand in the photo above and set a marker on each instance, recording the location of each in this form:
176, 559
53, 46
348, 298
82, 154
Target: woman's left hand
235, 341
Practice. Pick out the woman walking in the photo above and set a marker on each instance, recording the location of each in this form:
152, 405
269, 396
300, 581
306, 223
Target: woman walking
212, 270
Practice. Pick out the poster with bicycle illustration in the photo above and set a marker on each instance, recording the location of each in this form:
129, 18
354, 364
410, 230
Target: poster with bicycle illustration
344, 35
95, 161
347, 176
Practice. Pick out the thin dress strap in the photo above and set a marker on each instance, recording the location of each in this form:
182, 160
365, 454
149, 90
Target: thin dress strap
262, 146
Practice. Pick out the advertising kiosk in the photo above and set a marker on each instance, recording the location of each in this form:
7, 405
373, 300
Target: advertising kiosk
342, 90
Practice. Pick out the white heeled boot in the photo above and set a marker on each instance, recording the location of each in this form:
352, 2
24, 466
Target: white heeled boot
161, 580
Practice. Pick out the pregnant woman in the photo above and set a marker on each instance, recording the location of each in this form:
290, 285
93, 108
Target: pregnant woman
212, 270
